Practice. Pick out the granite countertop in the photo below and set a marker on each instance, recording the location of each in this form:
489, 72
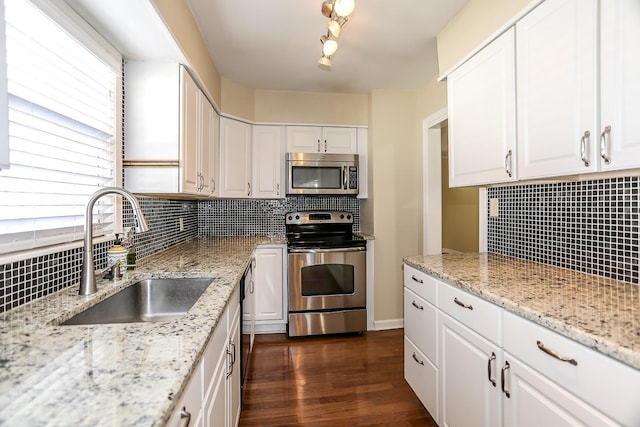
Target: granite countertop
115, 374
601, 313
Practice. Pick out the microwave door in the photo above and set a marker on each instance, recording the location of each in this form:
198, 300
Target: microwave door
318, 178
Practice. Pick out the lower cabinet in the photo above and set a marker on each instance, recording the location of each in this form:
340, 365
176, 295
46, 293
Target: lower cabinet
496, 368
212, 397
270, 288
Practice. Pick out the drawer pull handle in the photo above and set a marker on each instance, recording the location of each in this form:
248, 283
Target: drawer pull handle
556, 355
489, 370
185, 417
419, 307
417, 280
502, 375
418, 361
461, 304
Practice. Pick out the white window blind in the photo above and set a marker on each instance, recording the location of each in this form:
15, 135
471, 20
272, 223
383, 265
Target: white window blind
62, 134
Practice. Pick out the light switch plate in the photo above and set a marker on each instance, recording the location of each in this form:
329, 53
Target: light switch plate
493, 208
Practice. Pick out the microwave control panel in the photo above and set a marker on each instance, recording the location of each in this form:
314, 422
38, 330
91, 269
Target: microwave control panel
353, 178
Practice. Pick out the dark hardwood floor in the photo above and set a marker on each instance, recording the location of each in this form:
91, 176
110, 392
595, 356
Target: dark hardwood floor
348, 380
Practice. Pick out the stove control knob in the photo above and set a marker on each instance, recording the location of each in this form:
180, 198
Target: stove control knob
290, 217
348, 216
297, 216
341, 216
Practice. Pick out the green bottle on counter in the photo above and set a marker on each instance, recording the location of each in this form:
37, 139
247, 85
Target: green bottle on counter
131, 253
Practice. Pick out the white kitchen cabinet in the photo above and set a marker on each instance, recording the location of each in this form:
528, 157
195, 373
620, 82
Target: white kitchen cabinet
505, 370
270, 288
212, 396
315, 139
211, 147
268, 162
557, 89
482, 130
470, 356
619, 85
421, 338
586, 388
4, 114
166, 144
235, 158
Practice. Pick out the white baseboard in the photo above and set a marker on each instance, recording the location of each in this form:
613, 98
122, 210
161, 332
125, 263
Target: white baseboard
381, 325
272, 328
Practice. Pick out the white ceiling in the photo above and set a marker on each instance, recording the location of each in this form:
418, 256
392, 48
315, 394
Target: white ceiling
276, 44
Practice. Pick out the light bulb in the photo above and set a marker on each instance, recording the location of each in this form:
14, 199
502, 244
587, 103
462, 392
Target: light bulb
334, 28
329, 47
344, 7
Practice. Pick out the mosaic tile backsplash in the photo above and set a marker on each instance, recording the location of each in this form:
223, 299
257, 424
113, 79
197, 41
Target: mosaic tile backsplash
588, 226
26, 280
252, 217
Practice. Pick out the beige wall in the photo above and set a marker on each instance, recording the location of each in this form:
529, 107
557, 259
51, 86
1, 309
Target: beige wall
460, 215
238, 100
178, 18
474, 24
396, 207
311, 107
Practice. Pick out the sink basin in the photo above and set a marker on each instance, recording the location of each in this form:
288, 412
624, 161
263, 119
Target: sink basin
150, 300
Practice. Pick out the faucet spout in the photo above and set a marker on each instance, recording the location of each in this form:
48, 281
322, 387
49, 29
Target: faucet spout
87, 276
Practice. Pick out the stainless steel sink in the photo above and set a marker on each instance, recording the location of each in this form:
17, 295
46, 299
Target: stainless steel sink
150, 300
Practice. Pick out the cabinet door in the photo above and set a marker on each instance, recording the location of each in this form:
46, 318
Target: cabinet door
304, 139
190, 122
422, 376
556, 68
269, 285
233, 376
235, 158
481, 99
215, 410
268, 158
339, 140
536, 401
190, 403
4, 115
467, 363
619, 84
214, 152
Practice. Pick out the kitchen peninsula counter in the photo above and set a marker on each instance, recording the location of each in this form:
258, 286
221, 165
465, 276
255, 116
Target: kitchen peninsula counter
115, 374
601, 313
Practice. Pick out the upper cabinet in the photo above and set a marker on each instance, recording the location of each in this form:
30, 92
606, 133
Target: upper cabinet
169, 125
4, 124
314, 139
268, 162
235, 158
481, 99
619, 133
576, 64
556, 69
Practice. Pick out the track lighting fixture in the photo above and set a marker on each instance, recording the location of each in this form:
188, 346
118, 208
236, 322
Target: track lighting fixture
338, 12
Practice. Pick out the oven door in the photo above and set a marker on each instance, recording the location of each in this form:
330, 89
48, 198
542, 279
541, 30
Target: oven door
327, 279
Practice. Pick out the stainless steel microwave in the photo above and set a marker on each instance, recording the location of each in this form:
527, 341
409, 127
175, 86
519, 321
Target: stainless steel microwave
322, 174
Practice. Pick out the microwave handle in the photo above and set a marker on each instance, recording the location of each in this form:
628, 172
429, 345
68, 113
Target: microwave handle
345, 177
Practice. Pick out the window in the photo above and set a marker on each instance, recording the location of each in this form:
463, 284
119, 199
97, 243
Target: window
64, 110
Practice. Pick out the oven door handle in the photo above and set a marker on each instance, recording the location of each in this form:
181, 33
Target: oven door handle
323, 251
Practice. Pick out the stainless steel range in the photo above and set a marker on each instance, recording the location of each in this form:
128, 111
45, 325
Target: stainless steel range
327, 274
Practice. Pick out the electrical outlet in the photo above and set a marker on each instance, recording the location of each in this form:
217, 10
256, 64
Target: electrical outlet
181, 224
493, 208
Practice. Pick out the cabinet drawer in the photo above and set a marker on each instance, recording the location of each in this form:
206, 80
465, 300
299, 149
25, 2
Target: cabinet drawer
422, 376
481, 316
421, 283
420, 324
610, 386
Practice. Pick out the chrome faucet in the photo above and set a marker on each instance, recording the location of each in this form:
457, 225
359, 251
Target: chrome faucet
87, 276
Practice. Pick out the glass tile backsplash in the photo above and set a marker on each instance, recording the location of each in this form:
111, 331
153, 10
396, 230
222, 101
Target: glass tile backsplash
588, 226
253, 217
